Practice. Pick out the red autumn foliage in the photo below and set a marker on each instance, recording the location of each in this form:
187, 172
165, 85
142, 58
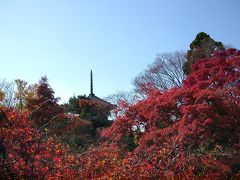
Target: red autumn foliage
43, 106
189, 131
182, 133
27, 153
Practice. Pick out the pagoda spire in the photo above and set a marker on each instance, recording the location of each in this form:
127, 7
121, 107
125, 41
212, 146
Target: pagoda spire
91, 84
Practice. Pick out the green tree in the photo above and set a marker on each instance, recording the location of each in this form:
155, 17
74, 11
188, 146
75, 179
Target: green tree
73, 104
203, 46
95, 112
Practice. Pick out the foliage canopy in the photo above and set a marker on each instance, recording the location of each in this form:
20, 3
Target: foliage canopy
187, 132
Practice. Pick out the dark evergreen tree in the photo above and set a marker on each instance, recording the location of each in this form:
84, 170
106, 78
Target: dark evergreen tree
96, 112
73, 104
203, 46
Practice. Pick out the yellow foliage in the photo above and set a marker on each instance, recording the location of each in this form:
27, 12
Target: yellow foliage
2, 95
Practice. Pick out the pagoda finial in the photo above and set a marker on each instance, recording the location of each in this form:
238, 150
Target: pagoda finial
91, 83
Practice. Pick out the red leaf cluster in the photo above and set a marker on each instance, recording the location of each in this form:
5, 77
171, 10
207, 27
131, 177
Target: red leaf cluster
193, 130
27, 153
188, 132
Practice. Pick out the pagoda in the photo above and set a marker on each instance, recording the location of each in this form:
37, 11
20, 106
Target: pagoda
93, 97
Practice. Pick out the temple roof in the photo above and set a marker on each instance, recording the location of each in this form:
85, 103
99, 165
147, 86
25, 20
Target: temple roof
93, 97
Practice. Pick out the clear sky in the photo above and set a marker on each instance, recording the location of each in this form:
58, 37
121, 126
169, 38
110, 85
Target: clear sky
65, 39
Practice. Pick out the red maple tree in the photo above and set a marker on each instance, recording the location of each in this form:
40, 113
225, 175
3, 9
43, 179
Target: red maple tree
188, 131
27, 153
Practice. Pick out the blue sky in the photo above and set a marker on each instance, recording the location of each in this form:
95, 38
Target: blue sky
65, 39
